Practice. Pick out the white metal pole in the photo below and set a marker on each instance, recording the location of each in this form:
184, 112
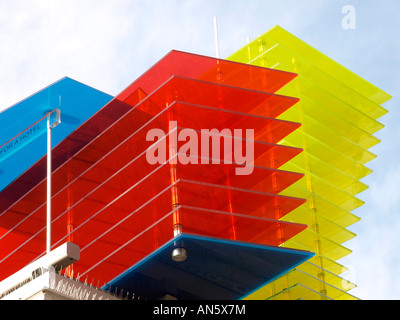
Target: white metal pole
216, 36
48, 211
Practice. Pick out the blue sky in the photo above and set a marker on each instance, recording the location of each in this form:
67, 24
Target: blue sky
108, 44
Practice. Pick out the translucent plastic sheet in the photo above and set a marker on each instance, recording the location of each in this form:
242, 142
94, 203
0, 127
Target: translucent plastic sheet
338, 111
306, 281
331, 138
215, 269
216, 95
326, 209
329, 277
119, 206
118, 247
332, 116
328, 173
182, 64
279, 35
307, 239
78, 102
297, 292
327, 227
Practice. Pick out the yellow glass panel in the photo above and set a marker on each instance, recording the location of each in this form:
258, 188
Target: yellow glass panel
329, 277
336, 215
325, 227
328, 264
298, 292
337, 197
326, 154
321, 61
327, 173
296, 277
310, 139
308, 239
333, 266
330, 66
332, 212
330, 120
304, 88
338, 111
331, 138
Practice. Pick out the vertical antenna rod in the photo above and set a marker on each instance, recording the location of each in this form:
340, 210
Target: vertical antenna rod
50, 127
216, 36
48, 208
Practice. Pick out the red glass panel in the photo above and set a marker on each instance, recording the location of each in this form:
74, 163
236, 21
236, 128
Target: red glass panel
215, 95
130, 250
177, 63
14, 256
113, 203
103, 183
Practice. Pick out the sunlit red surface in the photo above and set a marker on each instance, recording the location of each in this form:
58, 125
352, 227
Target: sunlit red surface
119, 208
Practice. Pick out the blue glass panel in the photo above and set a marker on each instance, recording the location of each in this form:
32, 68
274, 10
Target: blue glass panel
215, 269
77, 102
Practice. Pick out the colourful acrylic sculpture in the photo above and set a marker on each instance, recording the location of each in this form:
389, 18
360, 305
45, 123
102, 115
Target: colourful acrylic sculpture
338, 112
156, 187
129, 213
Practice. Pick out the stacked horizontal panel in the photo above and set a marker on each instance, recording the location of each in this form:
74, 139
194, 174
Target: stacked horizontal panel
119, 205
338, 111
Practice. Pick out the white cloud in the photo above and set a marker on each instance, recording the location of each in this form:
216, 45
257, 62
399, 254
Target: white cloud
46, 40
107, 44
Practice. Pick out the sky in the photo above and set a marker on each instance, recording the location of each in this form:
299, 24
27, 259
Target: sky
108, 44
